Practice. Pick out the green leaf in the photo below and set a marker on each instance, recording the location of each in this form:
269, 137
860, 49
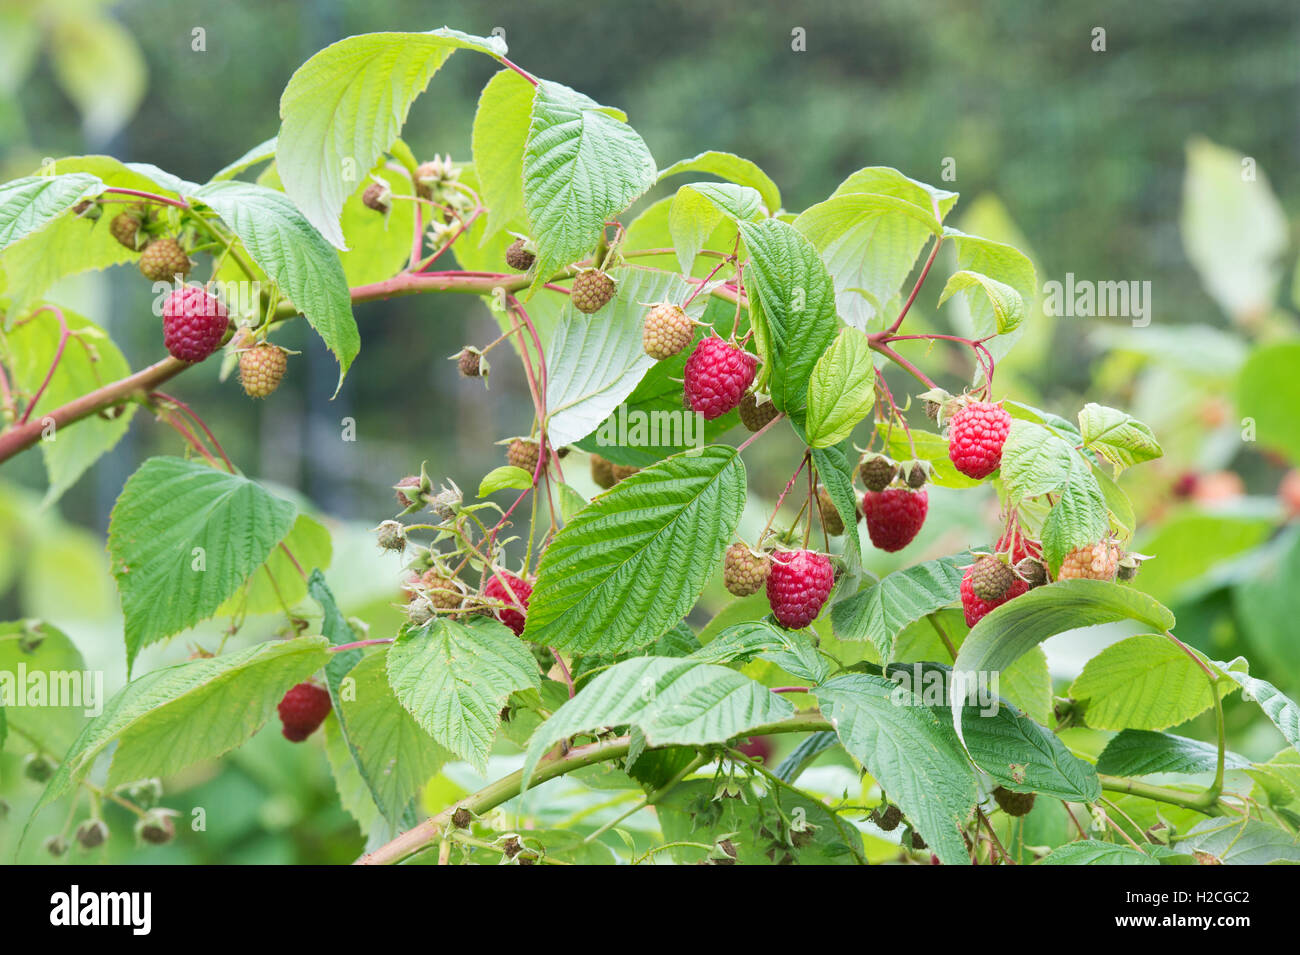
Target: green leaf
101, 68
998, 262
732, 168
794, 651
1034, 461
46, 691
295, 256
880, 612
1025, 757
841, 390
1143, 753
671, 701
182, 538
931, 448
699, 208
869, 244
29, 204
1008, 632
380, 244
582, 166
1268, 389
595, 361
394, 754
173, 717
500, 133
835, 466
1117, 436
1244, 842
1277, 706
90, 360
1096, 852
633, 562
792, 306
454, 678
1145, 682
909, 752
506, 476
345, 106
1008, 306
1079, 516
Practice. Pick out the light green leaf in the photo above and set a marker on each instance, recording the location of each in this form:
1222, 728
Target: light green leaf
500, 133
835, 466
841, 390
504, 477
1143, 753
582, 166
881, 611
999, 262
869, 243
46, 691
1145, 682
101, 68
732, 168
454, 678
1008, 306
633, 562
90, 360
394, 754
1008, 632
671, 701
1117, 436
699, 208
1277, 706
1268, 391
380, 245
792, 308
29, 204
794, 651
284, 245
173, 717
278, 584
345, 106
1096, 852
909, 752
1242, 842
929, 447
595, 361
182, 538
1034, 461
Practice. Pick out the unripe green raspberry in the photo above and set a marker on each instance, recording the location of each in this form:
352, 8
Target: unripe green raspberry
831, 519
668, 329
592, 289
523, 453
163, 260
744, 571
753, 415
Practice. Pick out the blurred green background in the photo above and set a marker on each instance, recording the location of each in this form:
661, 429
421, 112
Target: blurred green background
1123, 164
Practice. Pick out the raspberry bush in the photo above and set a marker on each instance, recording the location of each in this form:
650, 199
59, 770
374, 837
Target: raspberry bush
552, 621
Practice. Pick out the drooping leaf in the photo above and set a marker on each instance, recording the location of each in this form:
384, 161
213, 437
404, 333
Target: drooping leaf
1117, 436
1008, 306
1143, 753
732, 168
1281, 710
699, 208
1242, 842
454, 677
29, 204
835, 467
1096, 852
182, 538
909, 752
582, 166
841, 390
500, 133
670, 701
283, 243
345, 106
633, 562
881, 611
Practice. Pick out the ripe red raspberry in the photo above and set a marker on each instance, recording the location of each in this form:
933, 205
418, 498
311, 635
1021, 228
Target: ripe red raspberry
496, 590
757, 747
753, 415
717, 376
974, 607
519, 257
261, 369
1024, 547
975, 438
592, 289
194, 323
1093, 562
668, 329
894, 516
163, 260
744, 571
303, 709
798, 585
523, 453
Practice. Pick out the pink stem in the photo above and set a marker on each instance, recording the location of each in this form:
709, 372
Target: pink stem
58, 356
